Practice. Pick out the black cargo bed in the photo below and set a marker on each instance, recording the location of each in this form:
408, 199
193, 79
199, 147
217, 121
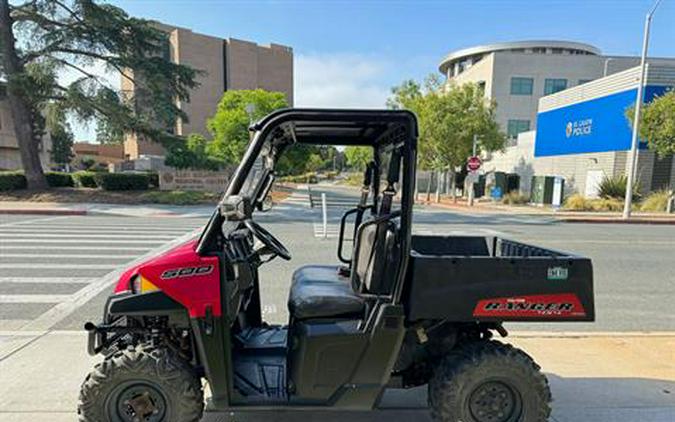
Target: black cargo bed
473, 278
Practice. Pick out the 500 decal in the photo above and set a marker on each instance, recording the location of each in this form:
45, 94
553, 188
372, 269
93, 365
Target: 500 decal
186, 272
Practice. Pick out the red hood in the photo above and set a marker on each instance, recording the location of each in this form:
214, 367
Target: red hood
173, 272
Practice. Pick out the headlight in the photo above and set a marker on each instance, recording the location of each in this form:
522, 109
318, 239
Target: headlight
140, 284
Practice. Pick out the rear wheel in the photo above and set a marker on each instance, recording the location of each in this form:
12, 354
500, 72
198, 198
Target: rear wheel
488, 381
141, 384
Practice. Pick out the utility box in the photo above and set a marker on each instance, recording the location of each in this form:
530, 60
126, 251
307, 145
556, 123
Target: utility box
543, 189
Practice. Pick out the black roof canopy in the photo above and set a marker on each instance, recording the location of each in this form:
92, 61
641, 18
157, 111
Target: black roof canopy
341, 127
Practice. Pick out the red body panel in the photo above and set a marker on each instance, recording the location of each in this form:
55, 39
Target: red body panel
554, 306
195, 292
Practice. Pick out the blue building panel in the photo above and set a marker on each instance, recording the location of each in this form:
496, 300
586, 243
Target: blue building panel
597, 125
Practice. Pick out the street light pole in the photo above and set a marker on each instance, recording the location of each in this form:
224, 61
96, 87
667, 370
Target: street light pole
632, 158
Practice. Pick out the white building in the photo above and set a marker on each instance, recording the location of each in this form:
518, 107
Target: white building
517, 74
583, 135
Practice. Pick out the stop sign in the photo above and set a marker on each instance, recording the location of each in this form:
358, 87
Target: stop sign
474, 163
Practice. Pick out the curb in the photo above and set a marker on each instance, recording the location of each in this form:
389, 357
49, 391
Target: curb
46, 211
615, 220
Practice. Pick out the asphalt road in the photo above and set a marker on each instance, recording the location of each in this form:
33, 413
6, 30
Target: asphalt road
55, 272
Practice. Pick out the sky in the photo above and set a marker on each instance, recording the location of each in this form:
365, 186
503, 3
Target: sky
350, 53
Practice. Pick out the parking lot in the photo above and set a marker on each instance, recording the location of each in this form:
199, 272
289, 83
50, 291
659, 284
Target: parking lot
57, 271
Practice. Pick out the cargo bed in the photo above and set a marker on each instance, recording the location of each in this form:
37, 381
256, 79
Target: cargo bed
473, 278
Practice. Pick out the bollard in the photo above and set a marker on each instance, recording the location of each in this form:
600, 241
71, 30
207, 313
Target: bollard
324, 211
309, 194
671, 199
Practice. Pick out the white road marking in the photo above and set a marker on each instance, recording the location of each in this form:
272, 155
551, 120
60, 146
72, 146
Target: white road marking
73, 248
57, 313
59, 266
88, 256
104, 241
54, 280
18, 223
33, 298
84, 236
77, 231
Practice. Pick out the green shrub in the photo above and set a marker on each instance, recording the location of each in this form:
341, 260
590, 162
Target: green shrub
122, 181
515, 198
56, 179
615, 187
655, 202
85, 179
577, 202
12, 180
300, 178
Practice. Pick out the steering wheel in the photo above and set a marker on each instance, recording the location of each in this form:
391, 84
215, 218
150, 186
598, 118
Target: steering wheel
268, 239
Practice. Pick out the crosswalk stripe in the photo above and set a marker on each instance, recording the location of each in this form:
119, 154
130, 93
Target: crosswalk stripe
86, 236
33, 298
48, 280
85, 241
59, 266
66, 256
73, 248
149, 227
92, 230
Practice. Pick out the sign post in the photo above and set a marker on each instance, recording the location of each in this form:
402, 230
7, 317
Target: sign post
473, 165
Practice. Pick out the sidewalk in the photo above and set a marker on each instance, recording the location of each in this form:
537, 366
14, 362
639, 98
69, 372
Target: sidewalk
560, 215
594, 377
141, 210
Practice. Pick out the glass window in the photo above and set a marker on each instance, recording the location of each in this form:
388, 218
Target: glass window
521, 86
551, 86
517, 126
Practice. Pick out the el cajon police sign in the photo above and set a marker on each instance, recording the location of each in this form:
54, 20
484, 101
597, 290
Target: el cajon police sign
596, 125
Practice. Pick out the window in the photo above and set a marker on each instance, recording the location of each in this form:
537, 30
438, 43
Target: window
557, 50
551, 86
521, 86
517, 126
584, 81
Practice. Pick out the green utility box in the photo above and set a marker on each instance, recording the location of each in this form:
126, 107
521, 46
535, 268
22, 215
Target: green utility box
545, 191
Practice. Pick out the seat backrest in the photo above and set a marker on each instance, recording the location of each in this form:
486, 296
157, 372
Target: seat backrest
375, 264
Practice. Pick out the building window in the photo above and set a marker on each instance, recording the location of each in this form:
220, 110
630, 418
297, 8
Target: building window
584, 81
539, 50
521, 86
557, 50
517, 126
551, 86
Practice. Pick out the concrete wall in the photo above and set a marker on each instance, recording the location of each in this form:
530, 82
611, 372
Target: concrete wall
204, 53
519, 158
251, 66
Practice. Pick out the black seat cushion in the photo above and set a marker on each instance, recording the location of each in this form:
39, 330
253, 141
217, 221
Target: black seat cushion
319, 291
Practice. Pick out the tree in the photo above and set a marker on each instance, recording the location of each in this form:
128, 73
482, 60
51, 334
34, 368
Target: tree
41, 39
60, 134
657, 123
358, 157
235, 113
449, 117
192, 154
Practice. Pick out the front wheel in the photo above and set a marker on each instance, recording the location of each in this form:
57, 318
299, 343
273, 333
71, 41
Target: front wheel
488, 381
141, 384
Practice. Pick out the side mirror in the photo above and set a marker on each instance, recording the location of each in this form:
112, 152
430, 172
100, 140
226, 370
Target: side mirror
266, 205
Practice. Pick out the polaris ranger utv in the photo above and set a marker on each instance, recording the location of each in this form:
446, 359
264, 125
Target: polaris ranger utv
399, 311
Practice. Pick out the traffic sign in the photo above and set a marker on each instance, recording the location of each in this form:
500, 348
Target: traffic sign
474, 163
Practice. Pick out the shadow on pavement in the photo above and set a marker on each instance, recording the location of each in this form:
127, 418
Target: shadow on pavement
574, 400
